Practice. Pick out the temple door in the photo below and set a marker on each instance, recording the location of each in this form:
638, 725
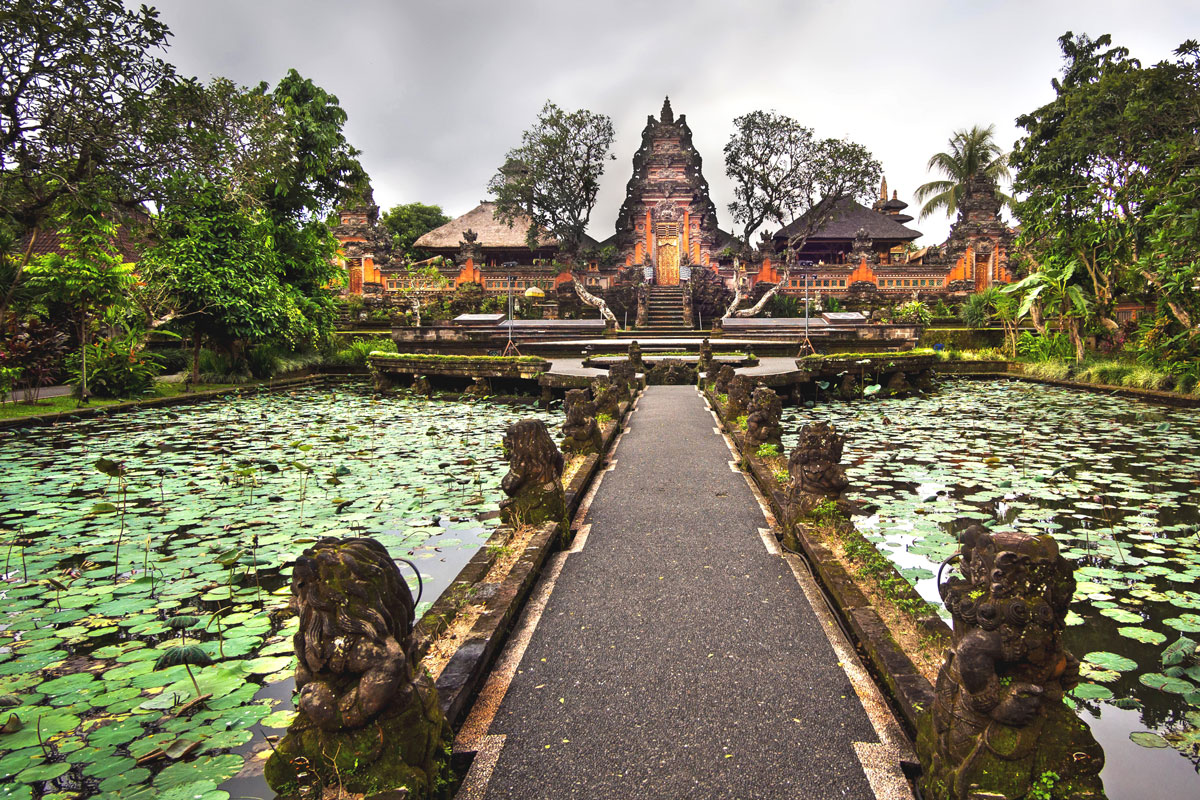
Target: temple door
355, 267
666, 270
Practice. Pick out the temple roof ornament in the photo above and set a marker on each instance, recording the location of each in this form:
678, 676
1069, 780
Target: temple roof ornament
667, 116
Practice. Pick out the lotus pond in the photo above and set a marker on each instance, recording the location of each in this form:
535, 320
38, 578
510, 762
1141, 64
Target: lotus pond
1115, 481
123, 538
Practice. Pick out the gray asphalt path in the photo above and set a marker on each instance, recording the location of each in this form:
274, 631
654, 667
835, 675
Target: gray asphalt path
675, 656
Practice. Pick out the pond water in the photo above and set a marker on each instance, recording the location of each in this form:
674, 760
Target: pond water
184, 542
1115, 481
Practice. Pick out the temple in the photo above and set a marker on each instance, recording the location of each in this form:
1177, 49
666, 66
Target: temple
667, 228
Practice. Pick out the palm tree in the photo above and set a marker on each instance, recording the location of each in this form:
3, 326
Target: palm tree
971, 152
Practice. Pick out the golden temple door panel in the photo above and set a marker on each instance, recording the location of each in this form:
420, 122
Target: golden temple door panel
666, 270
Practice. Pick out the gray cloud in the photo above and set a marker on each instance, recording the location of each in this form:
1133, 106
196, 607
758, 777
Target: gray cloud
437, 92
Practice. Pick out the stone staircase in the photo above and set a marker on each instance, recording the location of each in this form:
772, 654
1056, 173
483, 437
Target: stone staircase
665, 317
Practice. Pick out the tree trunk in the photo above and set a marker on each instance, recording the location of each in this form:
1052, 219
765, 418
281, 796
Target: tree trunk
766, 298
1038, 320
8, 296
1072, 326
594, 301
195, 378
83, 388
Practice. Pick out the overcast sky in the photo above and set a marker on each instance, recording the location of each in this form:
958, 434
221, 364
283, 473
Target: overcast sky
438, 91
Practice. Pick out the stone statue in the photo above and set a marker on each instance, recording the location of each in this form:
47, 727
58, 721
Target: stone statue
366, 719
763, 421
606, 396
635, 356
738, 396
998, 721
643, 304
624, 379
479, 388
815, 471
671, 372
724, 376
898, 385
581, 432
422, 386
706, 355
534, 480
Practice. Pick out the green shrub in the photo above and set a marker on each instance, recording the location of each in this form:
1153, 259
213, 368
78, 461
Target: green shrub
356, 353
8, 379
115, 368
172, 359
1053, 370
1044, 348
976, 311
767, 451
1142, 377
914, 311
1109, 373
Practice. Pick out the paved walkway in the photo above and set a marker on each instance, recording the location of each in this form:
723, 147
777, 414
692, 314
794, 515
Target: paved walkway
674, 653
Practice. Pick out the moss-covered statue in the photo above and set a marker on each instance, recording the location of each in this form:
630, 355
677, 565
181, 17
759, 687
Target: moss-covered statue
534, 480
999, 727
606, 396
706, 356
368, 718
724, 375
815, 472
622, 376
738, 396
763, 418
635, 356
581, 432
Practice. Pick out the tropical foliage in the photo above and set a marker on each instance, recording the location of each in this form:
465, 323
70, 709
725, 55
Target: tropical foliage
1107, 174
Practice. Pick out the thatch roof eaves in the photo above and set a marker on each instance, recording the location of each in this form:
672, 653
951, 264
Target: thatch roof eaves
492, 232
848, 218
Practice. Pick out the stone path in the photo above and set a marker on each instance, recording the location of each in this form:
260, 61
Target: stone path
674, 653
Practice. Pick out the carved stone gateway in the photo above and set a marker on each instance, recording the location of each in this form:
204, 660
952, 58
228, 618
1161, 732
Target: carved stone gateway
763, 421
534, 480
671, 372
368, 718
998, 723
581, 432
815, 473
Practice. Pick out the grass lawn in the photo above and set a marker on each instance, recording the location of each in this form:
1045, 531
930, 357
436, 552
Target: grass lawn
68, 404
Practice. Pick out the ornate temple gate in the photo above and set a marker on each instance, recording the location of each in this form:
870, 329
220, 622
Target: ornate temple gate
666, 262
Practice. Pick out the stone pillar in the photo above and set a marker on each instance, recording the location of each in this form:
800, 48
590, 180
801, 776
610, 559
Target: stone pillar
998, 723
643, 305
534, 480
368, 719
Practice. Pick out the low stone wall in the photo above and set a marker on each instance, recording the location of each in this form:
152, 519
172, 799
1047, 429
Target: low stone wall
468, 666
909, 689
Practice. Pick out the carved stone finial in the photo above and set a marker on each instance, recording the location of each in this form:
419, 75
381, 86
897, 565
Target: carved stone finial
534, 480
623, 377
706, 355
998, 721
635, 356
581, 432
607, 397
667, 115
366, 720
763, 419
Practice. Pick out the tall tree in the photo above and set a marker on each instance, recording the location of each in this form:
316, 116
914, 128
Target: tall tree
1108, 172
219, 264
409, 222
76, 77
971, 152
553, 177
782, 172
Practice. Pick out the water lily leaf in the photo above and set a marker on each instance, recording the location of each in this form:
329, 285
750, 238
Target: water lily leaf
1141, 634
1110, 661
1148, 739
1178, 651
1092, 691
1166, 683
40, 773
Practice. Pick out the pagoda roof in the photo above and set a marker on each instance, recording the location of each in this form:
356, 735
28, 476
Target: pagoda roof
848, 217
491, 230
